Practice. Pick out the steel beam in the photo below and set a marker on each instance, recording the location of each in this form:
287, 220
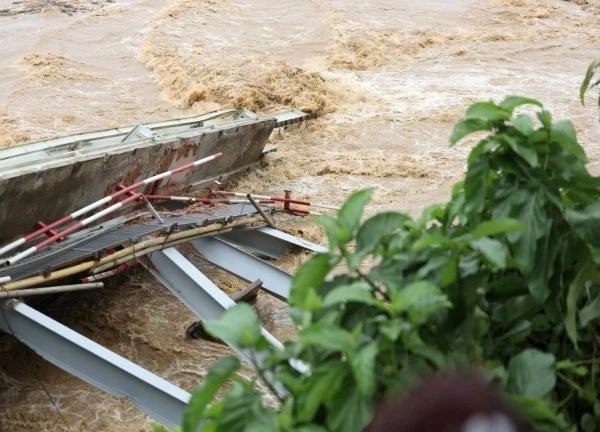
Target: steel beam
269, 242
244, 265
207, 301
93, 363
194, 289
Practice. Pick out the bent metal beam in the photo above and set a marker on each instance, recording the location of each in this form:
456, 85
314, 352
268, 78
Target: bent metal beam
207, 301
246, 266
194, 289
269, 242
93, 363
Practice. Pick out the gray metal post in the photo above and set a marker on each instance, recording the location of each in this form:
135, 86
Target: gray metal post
244, 265
93, 363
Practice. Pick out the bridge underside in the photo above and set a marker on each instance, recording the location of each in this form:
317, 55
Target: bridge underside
238, 248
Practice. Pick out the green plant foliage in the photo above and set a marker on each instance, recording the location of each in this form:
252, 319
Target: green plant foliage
587, 81
504, 278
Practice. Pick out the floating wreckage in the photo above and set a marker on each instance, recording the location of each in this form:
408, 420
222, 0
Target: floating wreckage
71, 171
86, 206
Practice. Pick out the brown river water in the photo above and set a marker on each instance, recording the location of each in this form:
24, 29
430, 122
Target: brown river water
389, 78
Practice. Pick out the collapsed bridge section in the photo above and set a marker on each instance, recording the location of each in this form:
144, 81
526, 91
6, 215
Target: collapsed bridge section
121, 171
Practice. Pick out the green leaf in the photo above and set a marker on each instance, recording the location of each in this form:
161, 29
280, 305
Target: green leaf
309, 428
587, 79
538, 412
243, 411
466, 127
351, 212
376, 228
357, 292
573, 294
285, 417
544, 265
217, 375
531, 374
494, 251
239, 326
511, 102
392, 328
586, 223
545, 118
497, 226
322, 384
327, 336
487, 111
588, 423
534, 218
486, 146
432, 241
309, 277
523, 124
524, 150
349, 411
590, 312
476, 185
334, 233
563, 133
449, 272
521, 330
363, 368
436, 357
571, 367
419, 299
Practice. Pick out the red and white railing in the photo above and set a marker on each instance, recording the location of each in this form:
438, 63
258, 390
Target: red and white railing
278, 199
70, 217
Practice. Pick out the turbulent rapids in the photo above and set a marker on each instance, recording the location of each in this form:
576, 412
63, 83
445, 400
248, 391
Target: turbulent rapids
387, 78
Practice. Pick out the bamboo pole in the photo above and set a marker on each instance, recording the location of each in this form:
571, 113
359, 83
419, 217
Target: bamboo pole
137, 254
49, 290
131, 252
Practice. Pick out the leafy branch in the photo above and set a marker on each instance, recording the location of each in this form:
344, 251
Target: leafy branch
587, 83
504, 277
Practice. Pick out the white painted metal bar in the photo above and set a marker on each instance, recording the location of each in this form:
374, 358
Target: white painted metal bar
93, 363
244, 265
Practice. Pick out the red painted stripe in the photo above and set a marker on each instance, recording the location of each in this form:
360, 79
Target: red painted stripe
158, 197
76, 226
302, 212
290, 201
48, 227
127, 189
55, 237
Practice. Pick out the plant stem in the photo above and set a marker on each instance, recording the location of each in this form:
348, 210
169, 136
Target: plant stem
263, 378
569, 381
565, 400
377, 289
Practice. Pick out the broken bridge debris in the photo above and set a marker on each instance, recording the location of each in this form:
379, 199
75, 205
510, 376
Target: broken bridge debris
118, 173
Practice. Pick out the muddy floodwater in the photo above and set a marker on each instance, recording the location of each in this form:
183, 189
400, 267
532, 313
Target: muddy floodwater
389, 78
